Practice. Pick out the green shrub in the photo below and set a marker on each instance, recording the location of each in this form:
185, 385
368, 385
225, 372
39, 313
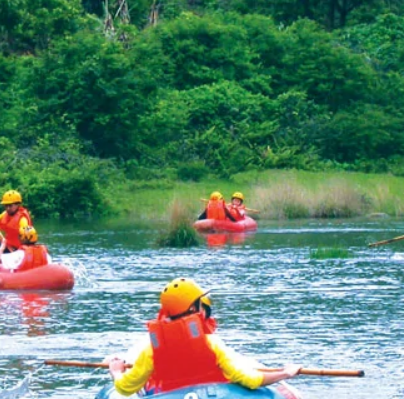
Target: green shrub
194, 171
180, 234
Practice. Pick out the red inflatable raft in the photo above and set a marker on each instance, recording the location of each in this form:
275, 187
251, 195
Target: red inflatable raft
208, 225
53, 276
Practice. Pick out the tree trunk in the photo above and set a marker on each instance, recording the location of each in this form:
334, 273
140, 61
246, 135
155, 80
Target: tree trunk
330, 23
307, 12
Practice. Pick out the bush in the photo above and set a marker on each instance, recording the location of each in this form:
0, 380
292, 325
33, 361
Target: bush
181, 234
59, 182
195, 171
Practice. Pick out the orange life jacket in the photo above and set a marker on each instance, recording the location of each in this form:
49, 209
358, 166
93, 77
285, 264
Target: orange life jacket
11, 226
238, 212
215, 210
181, 354
35, 255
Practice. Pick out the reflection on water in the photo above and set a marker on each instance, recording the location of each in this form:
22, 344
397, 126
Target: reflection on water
35, 311
272, 301
218, 240
28, 312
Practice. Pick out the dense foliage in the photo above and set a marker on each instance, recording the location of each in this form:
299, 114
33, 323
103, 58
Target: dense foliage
179, 89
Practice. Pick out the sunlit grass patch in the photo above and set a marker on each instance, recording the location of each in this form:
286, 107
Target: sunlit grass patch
180, 233
284, 200
339, 199
330, 253
277, 194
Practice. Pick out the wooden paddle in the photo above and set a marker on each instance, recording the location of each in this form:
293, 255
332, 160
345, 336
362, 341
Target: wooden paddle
321, 372
247, 209
375, 244
325, 372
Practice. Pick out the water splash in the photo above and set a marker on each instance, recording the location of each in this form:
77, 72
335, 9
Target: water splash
80, 272
19, 391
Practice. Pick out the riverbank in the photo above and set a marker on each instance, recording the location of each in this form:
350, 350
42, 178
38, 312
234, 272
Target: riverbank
277, 194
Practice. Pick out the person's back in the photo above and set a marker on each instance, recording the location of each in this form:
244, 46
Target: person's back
177, 339
183, 350
216, 208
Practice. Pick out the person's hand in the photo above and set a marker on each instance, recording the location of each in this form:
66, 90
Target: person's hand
291, 370
116, 365
107, 359
116, 368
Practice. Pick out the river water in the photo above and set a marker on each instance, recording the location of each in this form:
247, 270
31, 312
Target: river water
274, 301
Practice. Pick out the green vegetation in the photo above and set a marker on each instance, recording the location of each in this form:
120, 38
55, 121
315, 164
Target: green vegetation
329, 253
104, 103
277, 194
180, 233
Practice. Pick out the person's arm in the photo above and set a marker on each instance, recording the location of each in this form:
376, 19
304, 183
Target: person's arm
241, 211
238, 370
229, 215
128, 382
3, 245
202, 215
116, 368
23, 222
289, 371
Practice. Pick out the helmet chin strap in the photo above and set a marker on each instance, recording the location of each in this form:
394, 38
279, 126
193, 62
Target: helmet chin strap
194, 308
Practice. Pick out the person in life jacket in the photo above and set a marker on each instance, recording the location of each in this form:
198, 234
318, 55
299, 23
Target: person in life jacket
12, 219
237, 207
34, 254
29, 255
183, 349
216, 208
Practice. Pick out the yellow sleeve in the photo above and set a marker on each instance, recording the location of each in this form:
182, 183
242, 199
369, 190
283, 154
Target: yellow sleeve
23, 222
234, 368
1, 217
135, 379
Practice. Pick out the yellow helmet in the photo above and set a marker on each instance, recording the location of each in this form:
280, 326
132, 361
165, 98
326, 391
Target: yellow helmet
238, 195
11, 197
180, 294
28, 235
215, 196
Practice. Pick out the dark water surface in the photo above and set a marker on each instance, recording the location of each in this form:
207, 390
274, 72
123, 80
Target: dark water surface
273, 301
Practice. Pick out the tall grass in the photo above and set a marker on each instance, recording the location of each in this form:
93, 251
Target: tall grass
180, 233
278, 194
331, 199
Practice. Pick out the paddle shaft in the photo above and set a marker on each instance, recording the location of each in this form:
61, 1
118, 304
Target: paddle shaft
69, 363
247, 209
321, 372
375, 244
